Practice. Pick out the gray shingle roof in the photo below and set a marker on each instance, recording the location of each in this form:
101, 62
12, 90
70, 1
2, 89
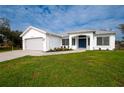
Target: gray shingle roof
85, 31
66, 34
105, 32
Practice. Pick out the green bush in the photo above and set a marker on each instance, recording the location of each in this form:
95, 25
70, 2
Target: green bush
59, 49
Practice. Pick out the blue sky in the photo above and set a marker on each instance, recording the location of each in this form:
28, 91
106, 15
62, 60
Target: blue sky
64, 18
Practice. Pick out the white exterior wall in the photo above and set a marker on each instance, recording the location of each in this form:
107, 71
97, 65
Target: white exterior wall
111, 45
53, 42
88, 46
76, 41
34, 34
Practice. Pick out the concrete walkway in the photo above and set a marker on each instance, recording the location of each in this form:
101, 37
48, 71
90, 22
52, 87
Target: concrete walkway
4, 56
56, 53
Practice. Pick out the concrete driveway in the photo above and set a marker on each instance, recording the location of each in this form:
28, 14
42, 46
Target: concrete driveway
4, 56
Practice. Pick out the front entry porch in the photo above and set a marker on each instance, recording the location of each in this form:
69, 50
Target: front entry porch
79, 42
82, 42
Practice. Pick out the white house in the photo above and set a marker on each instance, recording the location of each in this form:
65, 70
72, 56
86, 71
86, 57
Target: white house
37, 39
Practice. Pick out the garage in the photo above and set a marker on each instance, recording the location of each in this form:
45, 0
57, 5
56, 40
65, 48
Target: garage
34, 44
37, 39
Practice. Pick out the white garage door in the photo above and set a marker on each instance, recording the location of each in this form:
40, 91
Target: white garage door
34, 44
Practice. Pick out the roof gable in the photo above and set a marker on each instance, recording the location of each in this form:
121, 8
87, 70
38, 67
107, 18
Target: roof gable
39, 30
31, 27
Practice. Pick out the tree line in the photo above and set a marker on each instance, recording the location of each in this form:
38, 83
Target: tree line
8, 37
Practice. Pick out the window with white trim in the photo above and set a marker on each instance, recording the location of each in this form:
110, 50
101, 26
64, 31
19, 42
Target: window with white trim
102, 40
73, 41
88, 41
65, 41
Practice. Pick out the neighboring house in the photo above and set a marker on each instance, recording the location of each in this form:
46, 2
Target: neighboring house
37, 39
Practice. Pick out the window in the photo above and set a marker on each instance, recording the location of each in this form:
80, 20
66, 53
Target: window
106, 40
73, 41
65, 41
88, 41
102, 40
99, 40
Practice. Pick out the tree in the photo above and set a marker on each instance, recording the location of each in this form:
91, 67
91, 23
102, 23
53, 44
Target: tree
15, 38
1, 38
4, 23
121, 27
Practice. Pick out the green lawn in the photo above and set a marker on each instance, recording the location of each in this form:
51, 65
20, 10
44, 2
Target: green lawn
91, 68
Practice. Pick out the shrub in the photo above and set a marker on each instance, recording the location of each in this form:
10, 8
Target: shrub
59, 49
107, 49
100, 49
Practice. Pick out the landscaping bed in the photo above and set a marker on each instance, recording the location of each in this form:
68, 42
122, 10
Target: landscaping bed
59, 49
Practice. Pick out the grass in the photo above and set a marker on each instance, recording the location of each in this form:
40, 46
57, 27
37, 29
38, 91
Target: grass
8, 49
91, 68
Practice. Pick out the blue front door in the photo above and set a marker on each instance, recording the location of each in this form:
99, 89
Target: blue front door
82, 43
